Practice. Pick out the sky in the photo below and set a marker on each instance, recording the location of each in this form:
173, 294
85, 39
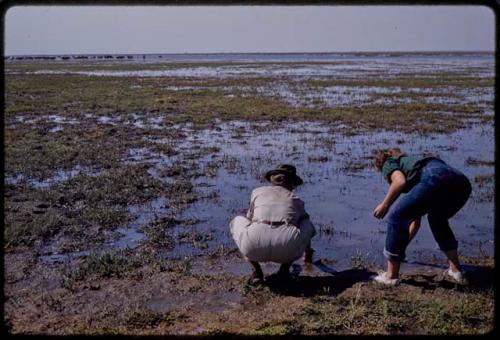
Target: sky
212, 29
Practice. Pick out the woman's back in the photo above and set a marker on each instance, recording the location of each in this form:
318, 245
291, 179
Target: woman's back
275, 204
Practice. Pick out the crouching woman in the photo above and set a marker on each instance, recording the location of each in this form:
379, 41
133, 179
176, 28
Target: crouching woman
276, 227
432, 188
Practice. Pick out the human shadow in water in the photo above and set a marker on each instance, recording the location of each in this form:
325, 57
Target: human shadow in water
480, 278
308, 286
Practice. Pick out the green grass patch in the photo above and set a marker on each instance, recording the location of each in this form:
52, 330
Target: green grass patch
105, 265
79, 208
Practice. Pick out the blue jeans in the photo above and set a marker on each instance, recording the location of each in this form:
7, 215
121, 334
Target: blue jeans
440, 192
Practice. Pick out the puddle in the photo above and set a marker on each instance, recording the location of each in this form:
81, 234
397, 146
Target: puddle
61, 258
141, 122
126, 237
108, 120
135, 120
59, 119
56, 129
129, 235
56, 119
57, 177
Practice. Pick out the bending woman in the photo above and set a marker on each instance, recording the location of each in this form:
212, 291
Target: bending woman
433, 188
277, 227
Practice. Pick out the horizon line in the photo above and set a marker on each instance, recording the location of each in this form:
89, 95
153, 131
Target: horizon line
208, 53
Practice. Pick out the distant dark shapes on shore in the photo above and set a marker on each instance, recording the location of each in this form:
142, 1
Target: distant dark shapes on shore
249, 56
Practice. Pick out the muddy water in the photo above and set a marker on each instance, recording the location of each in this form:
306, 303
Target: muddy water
341, 189
339, 199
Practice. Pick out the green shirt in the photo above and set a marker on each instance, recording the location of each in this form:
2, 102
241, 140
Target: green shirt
408, 165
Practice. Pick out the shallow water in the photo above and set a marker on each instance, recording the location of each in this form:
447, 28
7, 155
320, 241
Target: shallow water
346, 70
311, 65
338, 196
346, 200
288, 74
341, 188
58, 176
346, 96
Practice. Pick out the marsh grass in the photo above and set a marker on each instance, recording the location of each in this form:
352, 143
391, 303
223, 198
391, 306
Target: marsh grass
156, 234
141, 318
82, 212
359, 260
350, 307
439, 80
78, 206
363, 312
485, 188
73, 95
479, 162
105, 265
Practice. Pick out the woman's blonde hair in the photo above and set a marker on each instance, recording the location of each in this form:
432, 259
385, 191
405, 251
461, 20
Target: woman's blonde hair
381, 156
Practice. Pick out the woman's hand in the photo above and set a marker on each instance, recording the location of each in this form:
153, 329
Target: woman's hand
381, 210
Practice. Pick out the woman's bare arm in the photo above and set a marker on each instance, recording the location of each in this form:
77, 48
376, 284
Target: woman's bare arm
398, 182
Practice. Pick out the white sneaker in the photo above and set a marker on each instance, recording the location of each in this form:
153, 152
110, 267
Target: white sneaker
458, 277
382, 278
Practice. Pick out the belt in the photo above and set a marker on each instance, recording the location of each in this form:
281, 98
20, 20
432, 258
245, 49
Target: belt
273, 223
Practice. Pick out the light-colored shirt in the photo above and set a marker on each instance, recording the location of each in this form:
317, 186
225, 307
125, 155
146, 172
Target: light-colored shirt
260, 241
275, 204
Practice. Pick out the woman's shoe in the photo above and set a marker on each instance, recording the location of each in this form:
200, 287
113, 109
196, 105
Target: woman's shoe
255, 279
458, 277
382, 278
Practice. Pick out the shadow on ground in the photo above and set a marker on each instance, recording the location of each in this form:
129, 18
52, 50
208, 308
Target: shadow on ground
480, 278
308, 286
